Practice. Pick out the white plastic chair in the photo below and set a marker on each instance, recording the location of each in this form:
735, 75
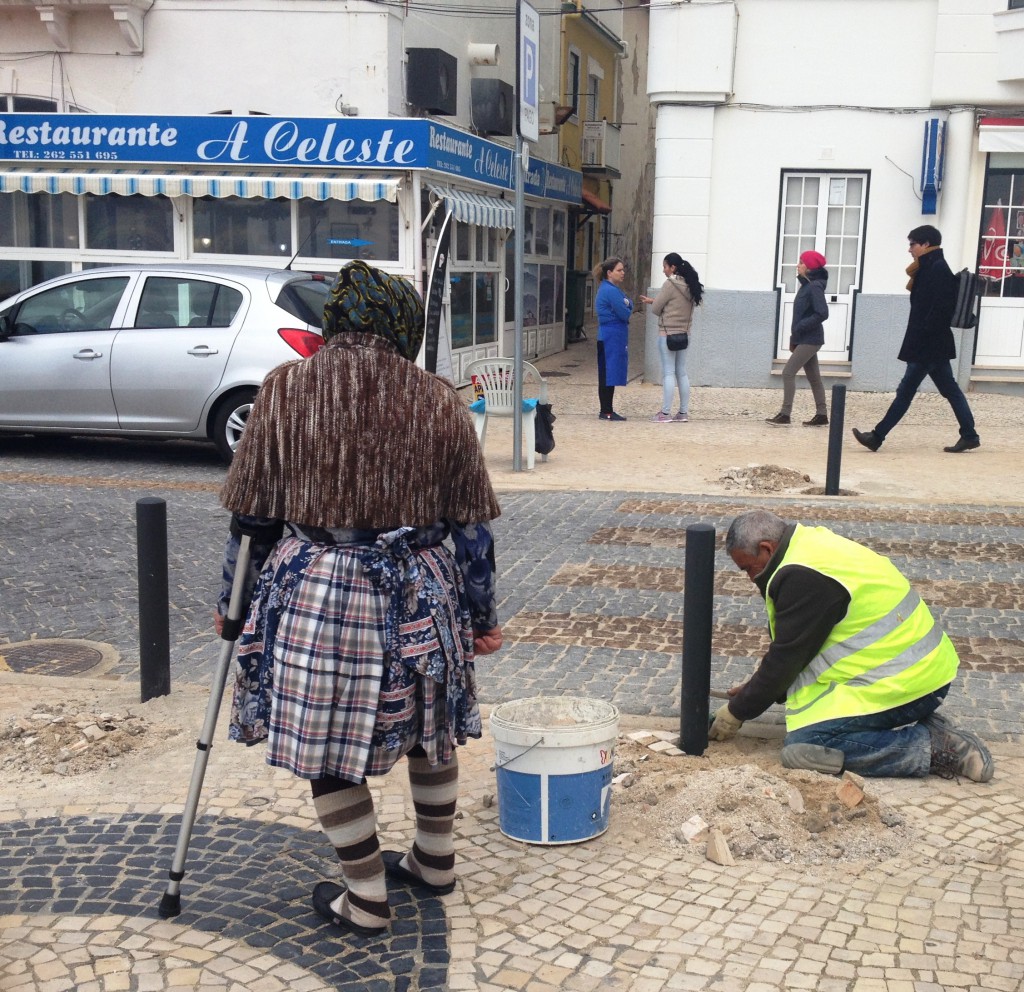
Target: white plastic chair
495, 377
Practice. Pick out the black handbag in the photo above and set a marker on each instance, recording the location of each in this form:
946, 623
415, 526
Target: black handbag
677, 342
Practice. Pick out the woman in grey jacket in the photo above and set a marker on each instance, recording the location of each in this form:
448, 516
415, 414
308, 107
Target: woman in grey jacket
810, 311
673, 307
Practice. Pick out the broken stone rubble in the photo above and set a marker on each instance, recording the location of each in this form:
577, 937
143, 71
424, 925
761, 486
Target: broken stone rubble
59, 740
761, 810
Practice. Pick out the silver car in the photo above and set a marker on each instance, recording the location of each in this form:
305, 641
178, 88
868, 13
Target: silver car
152, 350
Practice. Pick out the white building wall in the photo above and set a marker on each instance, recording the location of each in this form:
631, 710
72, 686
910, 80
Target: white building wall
750, 89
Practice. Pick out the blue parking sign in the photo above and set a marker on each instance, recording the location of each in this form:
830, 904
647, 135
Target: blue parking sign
528, 53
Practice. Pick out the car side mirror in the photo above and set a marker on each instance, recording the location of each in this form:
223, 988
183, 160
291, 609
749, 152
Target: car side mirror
6, 327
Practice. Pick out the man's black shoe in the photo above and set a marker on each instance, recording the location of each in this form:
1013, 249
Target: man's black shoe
869, 439
964, 444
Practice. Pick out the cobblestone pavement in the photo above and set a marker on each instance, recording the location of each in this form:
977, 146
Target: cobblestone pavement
592, 602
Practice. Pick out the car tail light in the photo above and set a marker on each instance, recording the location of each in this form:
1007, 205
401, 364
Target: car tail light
306, 343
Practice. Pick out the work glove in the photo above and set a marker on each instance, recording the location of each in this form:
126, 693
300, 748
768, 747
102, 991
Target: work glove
725, 725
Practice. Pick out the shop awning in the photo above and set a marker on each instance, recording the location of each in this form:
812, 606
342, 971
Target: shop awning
141, 181
596, 204
1001, 134
477, 208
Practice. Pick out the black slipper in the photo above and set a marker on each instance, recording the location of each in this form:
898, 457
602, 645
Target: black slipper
323, 895
393, 869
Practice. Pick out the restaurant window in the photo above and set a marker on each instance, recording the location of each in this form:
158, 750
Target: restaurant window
1001, 246
474, 308
543, 284
19, 274
38, 220
346, 229
236, 226
129, 223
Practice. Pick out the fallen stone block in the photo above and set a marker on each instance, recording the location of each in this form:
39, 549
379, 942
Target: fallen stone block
849, 793
795, 800
855, 779
718, 849
693, 829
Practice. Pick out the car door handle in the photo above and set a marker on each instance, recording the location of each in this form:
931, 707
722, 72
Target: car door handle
202, 351
87, 355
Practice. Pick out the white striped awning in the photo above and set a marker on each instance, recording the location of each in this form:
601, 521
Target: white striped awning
477, 208
140, 181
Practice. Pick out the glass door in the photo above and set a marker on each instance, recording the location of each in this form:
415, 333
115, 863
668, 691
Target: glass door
1000, 341
822, 212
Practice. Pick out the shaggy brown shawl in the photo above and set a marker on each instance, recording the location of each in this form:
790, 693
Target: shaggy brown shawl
358, 436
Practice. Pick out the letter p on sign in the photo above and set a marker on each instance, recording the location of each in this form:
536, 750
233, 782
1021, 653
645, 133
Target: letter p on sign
529, 72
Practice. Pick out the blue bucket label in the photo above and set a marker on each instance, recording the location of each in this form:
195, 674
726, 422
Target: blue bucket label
574, 807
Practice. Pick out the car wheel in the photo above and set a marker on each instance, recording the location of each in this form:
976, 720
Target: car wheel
230, 420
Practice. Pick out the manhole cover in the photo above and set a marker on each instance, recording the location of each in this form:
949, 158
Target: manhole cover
554, 375
49, 657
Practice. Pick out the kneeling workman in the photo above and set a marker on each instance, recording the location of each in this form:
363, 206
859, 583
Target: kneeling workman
855, 653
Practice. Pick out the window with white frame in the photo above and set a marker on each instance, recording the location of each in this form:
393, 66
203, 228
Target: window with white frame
823, 212
473, 285
11, 103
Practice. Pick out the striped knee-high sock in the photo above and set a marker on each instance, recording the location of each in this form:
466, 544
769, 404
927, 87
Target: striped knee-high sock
434, 791
347, 818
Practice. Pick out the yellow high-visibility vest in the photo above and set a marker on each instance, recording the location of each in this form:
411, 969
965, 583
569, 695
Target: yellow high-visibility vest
887, 650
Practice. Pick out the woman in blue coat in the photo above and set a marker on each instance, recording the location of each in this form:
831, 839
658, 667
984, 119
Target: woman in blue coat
614, 309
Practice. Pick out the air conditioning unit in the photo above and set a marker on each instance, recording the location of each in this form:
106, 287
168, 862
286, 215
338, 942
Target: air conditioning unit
431, 78
493, 106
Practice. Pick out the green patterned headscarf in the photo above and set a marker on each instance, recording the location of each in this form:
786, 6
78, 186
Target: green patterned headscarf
366, 300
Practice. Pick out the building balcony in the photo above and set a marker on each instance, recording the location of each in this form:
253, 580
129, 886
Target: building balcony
1009, 26
601, 148
56, 16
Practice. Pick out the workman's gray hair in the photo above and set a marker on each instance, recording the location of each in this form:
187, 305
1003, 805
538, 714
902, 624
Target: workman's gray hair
748, 530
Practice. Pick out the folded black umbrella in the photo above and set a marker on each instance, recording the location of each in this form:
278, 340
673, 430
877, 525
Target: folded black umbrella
543, 430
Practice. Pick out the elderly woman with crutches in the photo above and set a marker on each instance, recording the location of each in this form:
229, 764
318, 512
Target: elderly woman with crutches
359, 642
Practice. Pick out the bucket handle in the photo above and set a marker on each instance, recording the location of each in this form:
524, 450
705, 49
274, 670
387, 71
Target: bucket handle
520, 754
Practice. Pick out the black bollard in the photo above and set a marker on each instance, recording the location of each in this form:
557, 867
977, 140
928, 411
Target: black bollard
698, 599
154, 626
835, 440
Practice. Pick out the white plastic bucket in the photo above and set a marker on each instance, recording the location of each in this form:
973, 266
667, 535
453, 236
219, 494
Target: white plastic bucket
554, 767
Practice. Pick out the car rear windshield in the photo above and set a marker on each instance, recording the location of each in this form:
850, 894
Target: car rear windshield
305, 300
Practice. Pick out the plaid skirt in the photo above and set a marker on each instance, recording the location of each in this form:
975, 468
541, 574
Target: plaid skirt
351, 655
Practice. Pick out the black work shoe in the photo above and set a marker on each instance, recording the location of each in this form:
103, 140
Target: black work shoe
818, 420
964, 444
957, 752
869, 439
779, 420
610, 416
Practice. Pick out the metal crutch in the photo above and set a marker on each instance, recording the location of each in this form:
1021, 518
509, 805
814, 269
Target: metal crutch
170, 904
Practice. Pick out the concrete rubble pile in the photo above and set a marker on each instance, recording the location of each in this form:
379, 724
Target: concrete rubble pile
60, 740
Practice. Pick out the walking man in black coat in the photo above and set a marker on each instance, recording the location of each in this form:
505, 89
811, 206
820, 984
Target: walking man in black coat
928, 345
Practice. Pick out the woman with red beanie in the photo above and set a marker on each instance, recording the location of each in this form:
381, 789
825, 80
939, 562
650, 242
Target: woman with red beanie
810, 311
